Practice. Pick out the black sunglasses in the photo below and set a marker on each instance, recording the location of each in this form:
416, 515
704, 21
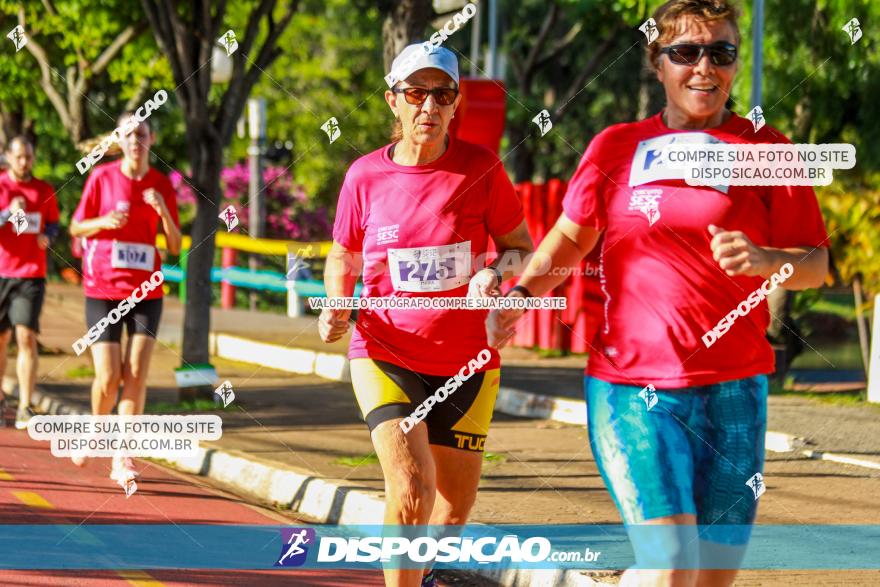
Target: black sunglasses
721, 54
417, 96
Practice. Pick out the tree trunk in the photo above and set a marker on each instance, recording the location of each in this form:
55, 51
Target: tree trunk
405, 23
207, 163
523, 158
13, 122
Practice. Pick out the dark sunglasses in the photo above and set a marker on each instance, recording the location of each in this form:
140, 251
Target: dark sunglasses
417, 96
722, 54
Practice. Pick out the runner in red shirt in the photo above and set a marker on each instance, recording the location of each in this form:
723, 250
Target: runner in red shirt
677, 386
124, 204
416, 216
23, 243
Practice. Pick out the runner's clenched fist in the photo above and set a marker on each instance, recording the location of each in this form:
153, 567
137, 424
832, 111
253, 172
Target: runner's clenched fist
736, 254
333, 324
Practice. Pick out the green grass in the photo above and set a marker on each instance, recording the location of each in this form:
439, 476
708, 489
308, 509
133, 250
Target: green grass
550, 353
776, 388
838, 307
357, 461
372, 459
199, 405
80, 372
837, 398
841, 355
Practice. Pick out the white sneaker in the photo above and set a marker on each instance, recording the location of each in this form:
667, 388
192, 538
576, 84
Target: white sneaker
123, 470
23, 417
125, 474
129, 486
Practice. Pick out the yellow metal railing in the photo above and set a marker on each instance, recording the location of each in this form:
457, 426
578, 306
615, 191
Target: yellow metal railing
260, 246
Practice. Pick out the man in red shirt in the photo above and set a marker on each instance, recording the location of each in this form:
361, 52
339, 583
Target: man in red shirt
28, 225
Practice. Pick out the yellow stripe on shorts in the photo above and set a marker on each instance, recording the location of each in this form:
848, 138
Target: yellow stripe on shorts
478, 417
373, 388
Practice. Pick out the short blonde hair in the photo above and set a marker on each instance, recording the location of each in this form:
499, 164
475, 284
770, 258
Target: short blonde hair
396, 130
669, 16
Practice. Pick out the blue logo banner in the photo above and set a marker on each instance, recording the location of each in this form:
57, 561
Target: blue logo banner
588, 547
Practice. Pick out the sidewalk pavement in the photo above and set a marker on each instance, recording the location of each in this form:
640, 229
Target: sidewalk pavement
297, 440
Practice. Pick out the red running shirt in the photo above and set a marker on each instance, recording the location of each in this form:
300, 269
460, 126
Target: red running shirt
117, 261
662, 288
422, 230
19, 254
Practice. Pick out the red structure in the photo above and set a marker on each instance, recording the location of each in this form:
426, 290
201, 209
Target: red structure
560, 330
227, 290
480, 116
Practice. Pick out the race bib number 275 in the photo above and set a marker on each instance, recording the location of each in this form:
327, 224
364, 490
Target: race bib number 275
423, 269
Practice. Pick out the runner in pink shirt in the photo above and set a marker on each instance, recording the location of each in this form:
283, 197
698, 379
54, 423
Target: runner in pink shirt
416, 217
676, 386
124, 204
28, 226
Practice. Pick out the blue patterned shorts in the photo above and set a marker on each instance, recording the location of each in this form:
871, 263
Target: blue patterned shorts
694, 452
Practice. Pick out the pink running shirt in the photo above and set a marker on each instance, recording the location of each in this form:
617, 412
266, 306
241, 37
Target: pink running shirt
421, 229
663, 290
115, 262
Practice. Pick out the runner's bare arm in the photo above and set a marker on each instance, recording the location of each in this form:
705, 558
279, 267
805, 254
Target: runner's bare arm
810, 266
736, 254
563, 247
341, 271
340, 276
513, 249
172, 232
92, 226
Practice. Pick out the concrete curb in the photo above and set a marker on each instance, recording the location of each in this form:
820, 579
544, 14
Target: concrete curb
545, 578
327, 500
515, 402
782, 442
290, 359
511, 401
842, 458
45, 403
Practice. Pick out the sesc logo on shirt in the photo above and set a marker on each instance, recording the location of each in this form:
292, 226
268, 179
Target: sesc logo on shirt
646, 201
387, 234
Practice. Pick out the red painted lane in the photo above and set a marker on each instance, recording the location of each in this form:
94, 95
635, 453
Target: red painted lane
72, 495
89, 493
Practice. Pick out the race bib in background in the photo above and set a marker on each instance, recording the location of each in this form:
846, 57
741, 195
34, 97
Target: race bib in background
132, 256
33, 219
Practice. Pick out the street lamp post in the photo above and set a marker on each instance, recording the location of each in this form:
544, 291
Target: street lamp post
256, 195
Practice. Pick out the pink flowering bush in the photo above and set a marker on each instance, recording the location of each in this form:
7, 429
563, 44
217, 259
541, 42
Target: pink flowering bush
290, 215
